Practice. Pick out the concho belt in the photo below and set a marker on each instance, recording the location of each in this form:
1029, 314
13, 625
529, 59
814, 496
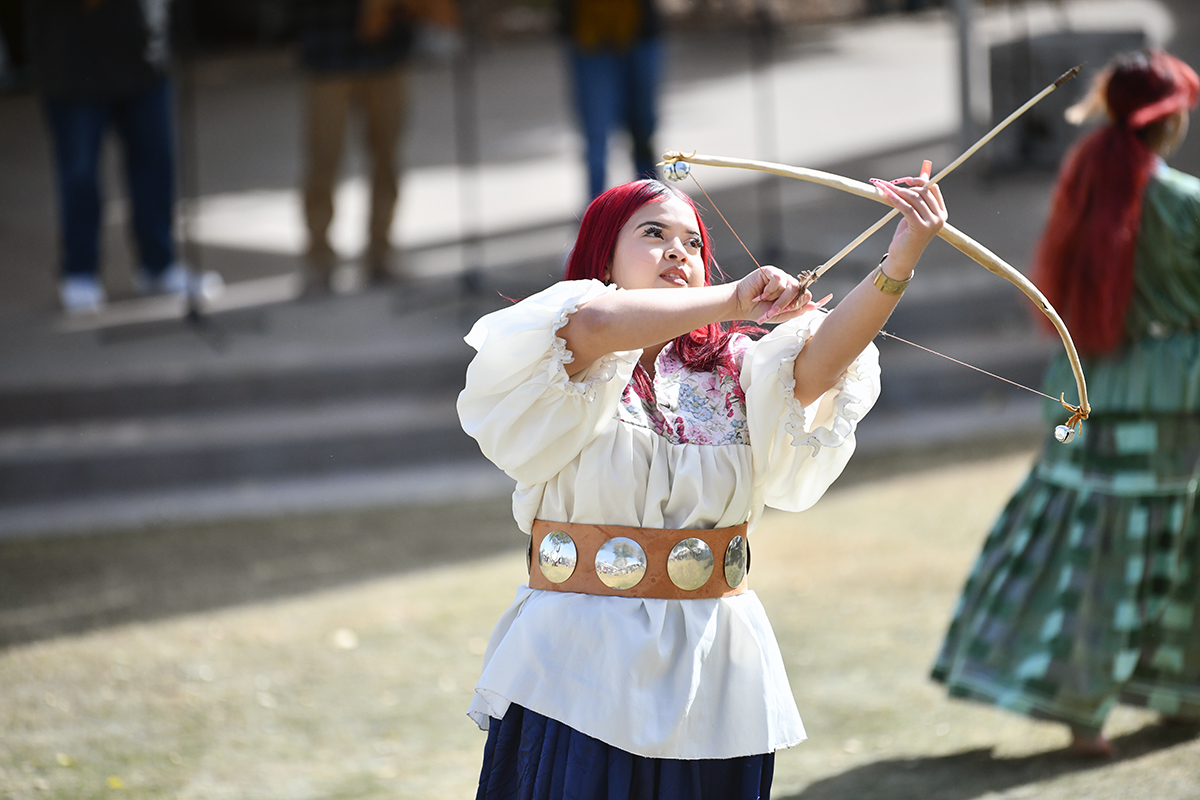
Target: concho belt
638, 562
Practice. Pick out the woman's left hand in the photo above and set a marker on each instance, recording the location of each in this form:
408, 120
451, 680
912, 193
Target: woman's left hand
924, 211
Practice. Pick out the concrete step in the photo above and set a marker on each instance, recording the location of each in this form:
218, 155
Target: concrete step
291, 439
375, 344
267, 496
411, 354
372, 392
97, 457
881, 435
233, 393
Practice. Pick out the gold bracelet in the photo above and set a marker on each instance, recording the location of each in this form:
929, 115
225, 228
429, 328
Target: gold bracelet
888, 285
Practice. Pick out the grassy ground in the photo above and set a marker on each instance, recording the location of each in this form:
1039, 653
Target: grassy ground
255, 685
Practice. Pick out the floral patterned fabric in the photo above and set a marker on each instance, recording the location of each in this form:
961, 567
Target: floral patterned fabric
691, 407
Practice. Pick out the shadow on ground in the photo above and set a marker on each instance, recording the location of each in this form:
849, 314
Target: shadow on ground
52, 587
976, 773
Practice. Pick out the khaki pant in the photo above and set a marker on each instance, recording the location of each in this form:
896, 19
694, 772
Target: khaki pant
380, 96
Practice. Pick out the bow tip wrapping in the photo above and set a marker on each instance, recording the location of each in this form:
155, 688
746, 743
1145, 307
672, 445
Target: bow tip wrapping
1066, 433
1069, 74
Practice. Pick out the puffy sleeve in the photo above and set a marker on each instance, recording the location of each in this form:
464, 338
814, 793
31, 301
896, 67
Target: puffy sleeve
529, 417
798, 451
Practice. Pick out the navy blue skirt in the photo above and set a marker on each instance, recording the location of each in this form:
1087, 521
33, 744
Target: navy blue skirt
531, 757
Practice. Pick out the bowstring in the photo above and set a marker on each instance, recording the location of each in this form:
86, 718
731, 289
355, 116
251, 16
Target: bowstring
881, 332
968, 366
722, 216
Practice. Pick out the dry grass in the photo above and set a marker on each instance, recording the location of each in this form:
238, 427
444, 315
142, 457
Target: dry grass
360, 691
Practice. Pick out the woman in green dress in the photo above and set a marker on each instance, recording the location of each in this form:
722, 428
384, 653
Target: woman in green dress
1087, 592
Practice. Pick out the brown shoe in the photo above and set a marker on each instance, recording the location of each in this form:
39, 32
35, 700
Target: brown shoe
1092, 745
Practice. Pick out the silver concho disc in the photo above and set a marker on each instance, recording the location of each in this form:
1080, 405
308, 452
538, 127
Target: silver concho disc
690, 564
557, 556
620, 563
1064, 433
676, 171
737, 562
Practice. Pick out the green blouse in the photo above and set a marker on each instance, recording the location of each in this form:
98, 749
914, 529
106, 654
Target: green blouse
1158, 367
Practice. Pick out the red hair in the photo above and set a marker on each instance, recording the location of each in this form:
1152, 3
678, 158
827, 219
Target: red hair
1084, 261
703, 349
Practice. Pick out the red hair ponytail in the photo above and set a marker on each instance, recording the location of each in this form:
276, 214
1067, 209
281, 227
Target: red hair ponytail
1084, 261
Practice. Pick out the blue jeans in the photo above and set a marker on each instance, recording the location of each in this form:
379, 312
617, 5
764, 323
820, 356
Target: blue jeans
143, 125
618, 89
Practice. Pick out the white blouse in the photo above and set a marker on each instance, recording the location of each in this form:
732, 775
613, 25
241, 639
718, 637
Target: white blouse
685, 679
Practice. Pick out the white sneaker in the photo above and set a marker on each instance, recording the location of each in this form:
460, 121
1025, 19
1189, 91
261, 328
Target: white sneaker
82, 294
175, 279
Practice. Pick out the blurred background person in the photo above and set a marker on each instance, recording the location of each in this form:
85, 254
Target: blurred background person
616, 54
1087, 592
100, 64
355, 53
13, 62
884, 6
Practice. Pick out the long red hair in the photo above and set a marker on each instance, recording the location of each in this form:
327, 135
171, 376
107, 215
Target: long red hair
1084, 261
703, 349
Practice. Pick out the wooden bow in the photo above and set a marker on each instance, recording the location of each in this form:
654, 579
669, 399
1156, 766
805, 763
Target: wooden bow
973, 249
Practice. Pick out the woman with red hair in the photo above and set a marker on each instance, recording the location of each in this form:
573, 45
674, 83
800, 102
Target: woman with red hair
646, 436
1086, 592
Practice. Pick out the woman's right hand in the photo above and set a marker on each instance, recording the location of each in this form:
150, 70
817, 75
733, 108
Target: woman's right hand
768, 294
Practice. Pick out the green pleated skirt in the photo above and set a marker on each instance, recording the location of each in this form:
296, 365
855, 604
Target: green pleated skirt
1087, 591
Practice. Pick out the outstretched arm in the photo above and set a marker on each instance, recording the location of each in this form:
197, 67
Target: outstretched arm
643, 318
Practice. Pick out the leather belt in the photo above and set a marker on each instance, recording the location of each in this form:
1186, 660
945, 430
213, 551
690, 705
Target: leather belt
623, 561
